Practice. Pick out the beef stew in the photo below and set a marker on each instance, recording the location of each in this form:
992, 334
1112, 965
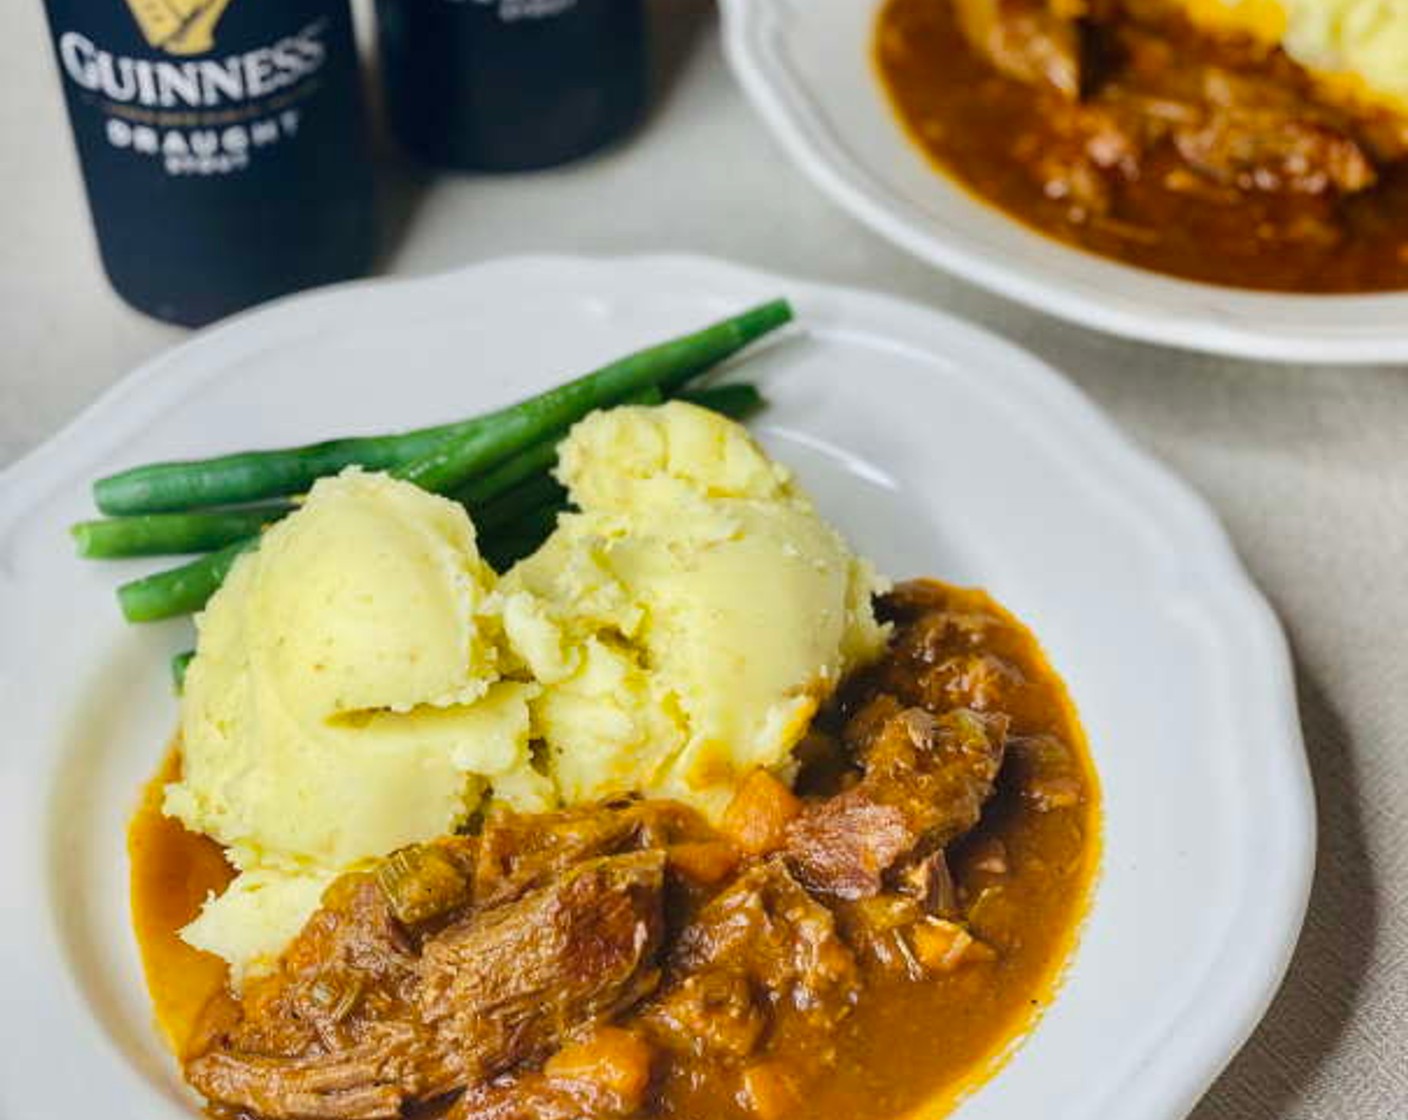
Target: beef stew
915, 895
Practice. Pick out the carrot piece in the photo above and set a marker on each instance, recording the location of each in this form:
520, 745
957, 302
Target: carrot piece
759, 814
703, 861
612, 1060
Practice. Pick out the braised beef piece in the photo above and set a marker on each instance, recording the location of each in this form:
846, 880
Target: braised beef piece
1267, 150
929, 881
761, 951
924, 731
369, 1080
925, 781
508, 984
498, 986
941, 658
880, 930
334, 1031
1260, 135
1045, 772
1118, 93
843, 846
517, 852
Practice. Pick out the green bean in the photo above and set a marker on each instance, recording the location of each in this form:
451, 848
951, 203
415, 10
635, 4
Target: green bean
171, 534
522, 537
180, 590
504, 512
537, 459
458, 459
515, 493
254, 476
179, 664
737, 400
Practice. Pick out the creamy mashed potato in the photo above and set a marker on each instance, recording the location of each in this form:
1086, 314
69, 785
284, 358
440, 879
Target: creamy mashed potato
1361, 45
344, 700
688, 622
364, 681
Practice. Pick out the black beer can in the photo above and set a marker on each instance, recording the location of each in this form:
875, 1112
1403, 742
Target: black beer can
223, 146
512, 85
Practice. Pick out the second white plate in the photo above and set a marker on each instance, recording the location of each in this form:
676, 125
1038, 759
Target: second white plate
806, 66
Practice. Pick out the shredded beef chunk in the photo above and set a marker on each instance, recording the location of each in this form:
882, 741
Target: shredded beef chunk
536, 1097
926, 779
926, 734
508, 984
367, 1081
333, 1032
494, 988
929, 882
761, 951
844, 845
1045, 772
519, 852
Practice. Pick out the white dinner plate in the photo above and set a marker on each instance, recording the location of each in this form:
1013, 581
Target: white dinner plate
806, 66
936, 448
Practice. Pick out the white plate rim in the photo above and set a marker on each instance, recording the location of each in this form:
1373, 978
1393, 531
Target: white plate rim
1214, 1026
1189, 315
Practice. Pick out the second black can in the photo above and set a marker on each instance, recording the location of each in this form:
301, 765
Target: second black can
512, 85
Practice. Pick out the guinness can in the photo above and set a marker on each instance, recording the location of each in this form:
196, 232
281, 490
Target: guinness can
223, 145
512, 85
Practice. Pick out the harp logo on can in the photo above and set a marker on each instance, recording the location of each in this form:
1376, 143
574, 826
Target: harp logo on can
179, 27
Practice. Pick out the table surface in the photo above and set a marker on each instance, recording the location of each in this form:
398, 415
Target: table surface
1308, 468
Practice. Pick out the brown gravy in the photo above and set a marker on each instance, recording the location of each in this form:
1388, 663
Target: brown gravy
173, 872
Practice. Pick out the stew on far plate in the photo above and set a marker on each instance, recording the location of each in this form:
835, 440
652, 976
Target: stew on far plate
1119, 127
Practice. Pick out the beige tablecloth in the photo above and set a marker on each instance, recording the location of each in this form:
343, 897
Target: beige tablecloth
1308, 468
